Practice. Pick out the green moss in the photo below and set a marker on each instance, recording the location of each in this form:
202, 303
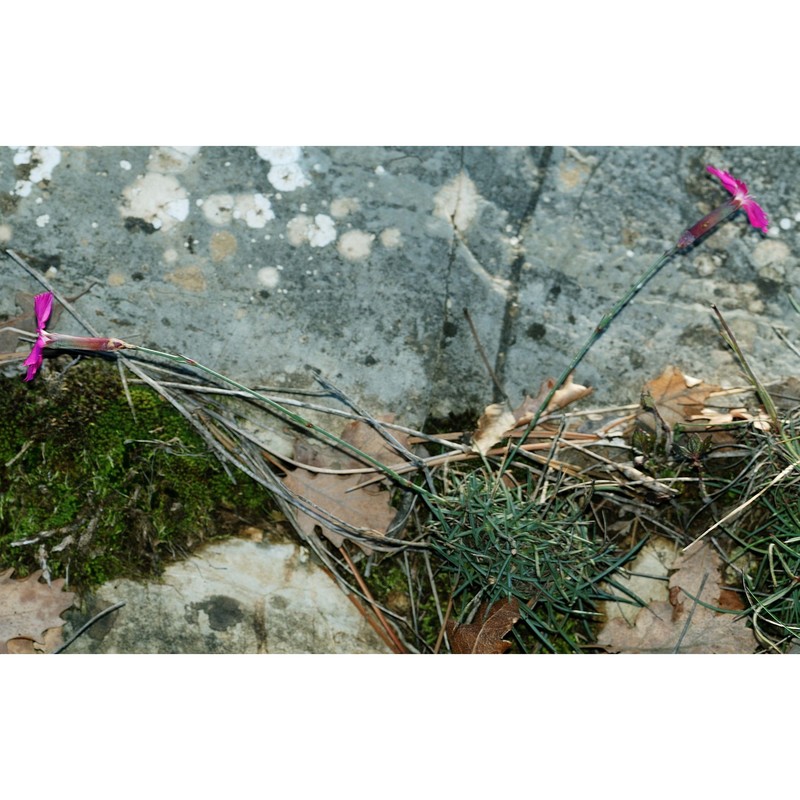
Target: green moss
389, 585
106, 494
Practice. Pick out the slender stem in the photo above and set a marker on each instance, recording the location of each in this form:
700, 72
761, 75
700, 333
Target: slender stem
396, 645
763, 394
601, 328
88, 625
281, 410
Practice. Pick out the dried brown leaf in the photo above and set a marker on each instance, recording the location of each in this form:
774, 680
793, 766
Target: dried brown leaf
659, 627
570, 392
714, 416
368, 440
367, 507
485, 634
677, 397
495, 421
359, 434
29, 608
498, 420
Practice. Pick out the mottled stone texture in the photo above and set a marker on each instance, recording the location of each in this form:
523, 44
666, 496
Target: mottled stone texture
361, 261
231, 597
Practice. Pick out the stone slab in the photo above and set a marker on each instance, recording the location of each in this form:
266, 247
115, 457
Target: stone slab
232, 597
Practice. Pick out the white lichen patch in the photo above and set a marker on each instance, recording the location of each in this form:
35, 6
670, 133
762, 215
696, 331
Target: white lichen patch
355, 245
279, 155
268, 277
342, 206
157, 199
218, 208
178, 209
285, 173
254, 209
391, 238
322, 231
317, 232
42, 220
171, 159
287, 177
457, 202
297, 229
21, 156
43, 161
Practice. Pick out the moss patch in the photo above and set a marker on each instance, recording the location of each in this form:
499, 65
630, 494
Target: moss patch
105, 494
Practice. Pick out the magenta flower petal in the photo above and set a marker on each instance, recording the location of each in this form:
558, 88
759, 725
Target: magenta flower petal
758, 219
43, 306
742, 199
34, 360
728, 181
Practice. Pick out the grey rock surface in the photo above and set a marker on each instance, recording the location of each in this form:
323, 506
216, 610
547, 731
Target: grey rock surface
359, 262
234, 596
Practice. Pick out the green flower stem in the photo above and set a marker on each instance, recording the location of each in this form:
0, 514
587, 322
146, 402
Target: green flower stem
763, 394
301, 422
602, 327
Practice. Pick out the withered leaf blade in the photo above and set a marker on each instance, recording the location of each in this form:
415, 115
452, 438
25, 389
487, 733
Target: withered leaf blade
485, 634
661, 627
570, 392
677, 397
368, 507
364, 436
495, 421
28, 607
360, 434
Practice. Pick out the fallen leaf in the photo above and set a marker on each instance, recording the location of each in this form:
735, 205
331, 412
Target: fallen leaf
29, 608
646, 577
714, 416
364, 436
52, 639
498, 420
677, 398
662, 626
367, 508
570, 392
485, 635
359, 434
495, 421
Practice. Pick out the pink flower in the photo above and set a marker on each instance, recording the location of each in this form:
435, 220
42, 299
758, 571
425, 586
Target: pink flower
43, 307
741, 198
